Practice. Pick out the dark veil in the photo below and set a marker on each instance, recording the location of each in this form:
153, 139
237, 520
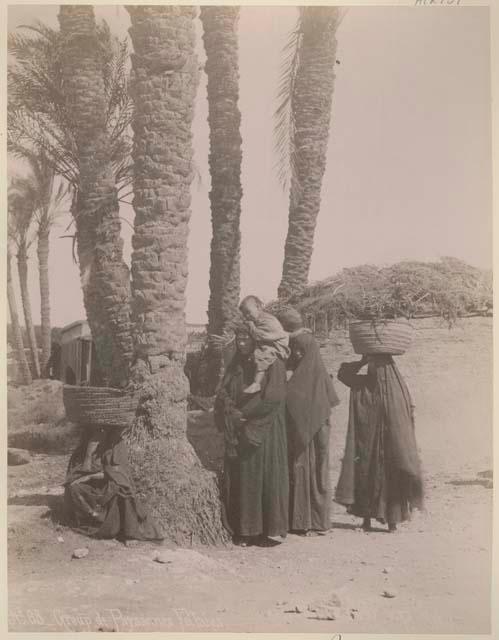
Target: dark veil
311, 393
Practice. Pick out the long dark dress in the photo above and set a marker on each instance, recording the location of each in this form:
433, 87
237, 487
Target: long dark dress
106, 506
381, 473
255, 482
310, 397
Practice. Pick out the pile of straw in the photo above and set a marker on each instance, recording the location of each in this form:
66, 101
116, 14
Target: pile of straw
449, 289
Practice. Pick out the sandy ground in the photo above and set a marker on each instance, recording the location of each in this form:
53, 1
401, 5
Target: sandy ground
431, 576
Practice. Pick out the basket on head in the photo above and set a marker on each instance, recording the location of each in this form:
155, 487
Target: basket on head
389, 337
99, 406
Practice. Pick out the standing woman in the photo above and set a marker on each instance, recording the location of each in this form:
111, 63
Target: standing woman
310, 398
255, 483
381, 472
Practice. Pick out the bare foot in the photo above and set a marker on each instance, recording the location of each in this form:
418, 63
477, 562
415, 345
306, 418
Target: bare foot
253, 388
366, 525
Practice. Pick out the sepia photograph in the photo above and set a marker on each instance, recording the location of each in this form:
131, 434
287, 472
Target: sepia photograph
249, 341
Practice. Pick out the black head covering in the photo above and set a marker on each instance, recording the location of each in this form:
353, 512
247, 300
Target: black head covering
290, 319
311, 392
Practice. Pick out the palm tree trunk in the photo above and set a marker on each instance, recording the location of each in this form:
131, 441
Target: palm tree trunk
311, 108
165, 76
43, 270
221, 44
23, 370
22, 266
104, 275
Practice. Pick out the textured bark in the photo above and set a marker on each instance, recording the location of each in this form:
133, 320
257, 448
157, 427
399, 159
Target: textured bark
23, 370
311, 108
221, 44
104, 275
43, 270
22, 266
165, 76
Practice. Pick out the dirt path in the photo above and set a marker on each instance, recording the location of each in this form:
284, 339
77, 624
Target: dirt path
437, 567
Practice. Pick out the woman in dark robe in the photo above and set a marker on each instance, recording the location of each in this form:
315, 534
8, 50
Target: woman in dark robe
255, 482
381, 472
99, 491
310, 398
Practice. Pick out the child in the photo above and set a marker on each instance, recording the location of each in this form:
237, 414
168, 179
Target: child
270, 338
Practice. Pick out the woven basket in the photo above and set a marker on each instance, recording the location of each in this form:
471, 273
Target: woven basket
390, 337
99, 406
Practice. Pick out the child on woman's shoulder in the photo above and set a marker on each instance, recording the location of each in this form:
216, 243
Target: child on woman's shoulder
271, 341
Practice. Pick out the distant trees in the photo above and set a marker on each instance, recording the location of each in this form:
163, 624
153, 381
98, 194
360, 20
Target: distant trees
17, 341
22, 202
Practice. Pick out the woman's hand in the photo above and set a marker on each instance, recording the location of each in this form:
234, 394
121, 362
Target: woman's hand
98, 475
235, 413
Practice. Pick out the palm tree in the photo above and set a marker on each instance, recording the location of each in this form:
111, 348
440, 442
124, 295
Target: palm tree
165, 77
221, 44
104, 274
45, 220
68, 98
23, 368
302, 133
22, 206
48, 200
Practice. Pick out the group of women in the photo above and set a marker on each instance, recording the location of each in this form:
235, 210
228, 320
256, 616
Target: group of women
276, 471
276, 467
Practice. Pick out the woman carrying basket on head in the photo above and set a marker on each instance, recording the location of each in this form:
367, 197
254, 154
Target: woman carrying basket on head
381, 471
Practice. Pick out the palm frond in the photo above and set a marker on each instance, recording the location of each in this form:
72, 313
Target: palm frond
73, 246
323, 23
284, 128
29, 134
39, 118
22, 198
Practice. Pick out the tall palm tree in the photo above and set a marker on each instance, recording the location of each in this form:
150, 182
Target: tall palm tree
104, 274
45, 220
47, 206
222, 68
302, 133
68, 98
165, 77
23, 370
22, 206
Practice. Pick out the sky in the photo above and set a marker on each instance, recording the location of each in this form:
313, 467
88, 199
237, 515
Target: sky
408, 173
